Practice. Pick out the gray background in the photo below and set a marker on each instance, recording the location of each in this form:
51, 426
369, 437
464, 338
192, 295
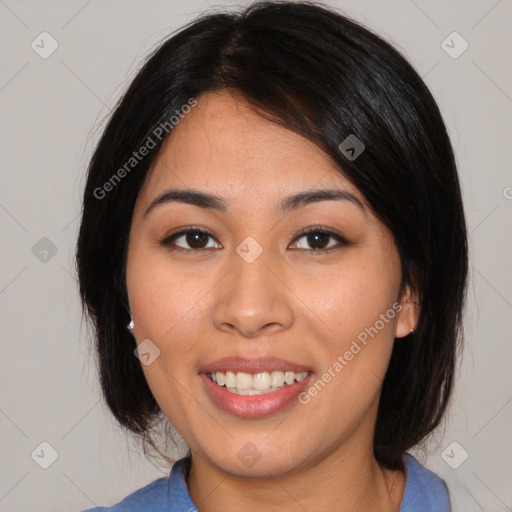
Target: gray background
53, 110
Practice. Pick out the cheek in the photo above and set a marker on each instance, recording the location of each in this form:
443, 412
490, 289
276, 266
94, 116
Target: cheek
345, 300
353, 310
354, 341
164, 300
166, 305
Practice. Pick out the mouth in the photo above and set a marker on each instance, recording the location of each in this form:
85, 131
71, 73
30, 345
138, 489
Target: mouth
254, 388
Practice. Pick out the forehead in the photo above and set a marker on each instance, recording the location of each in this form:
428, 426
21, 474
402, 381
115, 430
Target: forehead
223, 144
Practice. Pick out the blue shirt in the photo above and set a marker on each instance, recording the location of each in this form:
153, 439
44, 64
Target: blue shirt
424, 492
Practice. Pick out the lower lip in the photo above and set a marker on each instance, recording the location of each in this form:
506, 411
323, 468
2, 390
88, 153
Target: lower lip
254, 406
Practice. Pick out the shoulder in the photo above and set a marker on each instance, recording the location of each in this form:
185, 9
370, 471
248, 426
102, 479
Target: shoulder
155, 496
424, 491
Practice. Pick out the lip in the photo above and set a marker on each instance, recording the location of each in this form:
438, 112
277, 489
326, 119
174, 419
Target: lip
254, 406
252, 366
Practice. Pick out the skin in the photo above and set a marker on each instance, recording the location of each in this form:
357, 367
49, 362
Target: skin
292, 302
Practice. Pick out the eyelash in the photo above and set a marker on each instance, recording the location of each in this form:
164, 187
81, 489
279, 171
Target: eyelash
323, 230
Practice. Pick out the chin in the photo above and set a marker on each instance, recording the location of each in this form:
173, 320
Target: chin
251, 463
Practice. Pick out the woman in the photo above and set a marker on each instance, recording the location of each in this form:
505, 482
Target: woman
273, 255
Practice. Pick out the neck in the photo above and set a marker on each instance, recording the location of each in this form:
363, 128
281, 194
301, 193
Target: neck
348, 481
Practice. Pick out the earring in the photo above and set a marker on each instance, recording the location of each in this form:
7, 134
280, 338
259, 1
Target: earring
131, 325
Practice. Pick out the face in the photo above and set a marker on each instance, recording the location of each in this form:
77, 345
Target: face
266, 345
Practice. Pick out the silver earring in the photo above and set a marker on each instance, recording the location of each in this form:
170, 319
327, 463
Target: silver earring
131, 325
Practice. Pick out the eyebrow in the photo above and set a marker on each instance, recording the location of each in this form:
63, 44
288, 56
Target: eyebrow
217, 203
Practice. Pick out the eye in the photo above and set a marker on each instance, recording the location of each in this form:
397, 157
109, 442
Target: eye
195, 238
318, 237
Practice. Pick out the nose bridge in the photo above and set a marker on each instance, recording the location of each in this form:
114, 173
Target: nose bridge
251, 263
252, 298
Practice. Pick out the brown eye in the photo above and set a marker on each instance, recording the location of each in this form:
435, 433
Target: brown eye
319, 239
189, 240
196, 239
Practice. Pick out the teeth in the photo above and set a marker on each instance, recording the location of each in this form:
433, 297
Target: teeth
289, 377
260, 383
243, 380
221, 378
277, 379
230, 380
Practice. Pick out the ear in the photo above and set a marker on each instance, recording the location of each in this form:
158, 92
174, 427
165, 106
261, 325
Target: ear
409, 313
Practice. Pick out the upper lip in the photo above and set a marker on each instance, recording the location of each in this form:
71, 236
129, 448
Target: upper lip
254, 365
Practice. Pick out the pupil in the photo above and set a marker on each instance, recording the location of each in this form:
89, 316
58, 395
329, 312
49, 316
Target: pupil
195, 238
313, 239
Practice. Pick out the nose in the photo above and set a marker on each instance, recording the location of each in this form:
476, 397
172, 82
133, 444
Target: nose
253, 299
